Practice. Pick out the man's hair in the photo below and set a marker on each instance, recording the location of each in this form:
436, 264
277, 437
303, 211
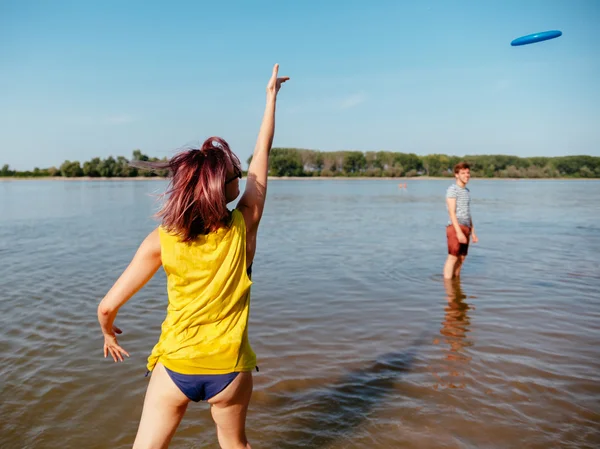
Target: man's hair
461, 166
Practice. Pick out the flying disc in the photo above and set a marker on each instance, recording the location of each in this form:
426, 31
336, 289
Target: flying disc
536, 37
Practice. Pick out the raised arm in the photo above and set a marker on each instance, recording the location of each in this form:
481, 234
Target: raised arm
252, 202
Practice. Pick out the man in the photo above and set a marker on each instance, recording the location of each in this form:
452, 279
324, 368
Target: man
460, 227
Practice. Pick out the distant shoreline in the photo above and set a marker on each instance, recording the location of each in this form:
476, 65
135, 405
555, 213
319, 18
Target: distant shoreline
290, 178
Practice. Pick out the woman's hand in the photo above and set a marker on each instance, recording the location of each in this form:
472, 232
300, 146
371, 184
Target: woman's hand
275, 82
111, 346
145, 263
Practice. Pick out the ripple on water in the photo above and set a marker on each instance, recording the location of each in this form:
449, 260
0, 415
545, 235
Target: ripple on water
361, 344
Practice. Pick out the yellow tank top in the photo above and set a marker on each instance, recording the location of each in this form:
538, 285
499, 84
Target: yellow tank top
206, 328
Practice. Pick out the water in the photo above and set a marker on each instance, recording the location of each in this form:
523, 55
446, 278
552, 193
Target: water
361, 344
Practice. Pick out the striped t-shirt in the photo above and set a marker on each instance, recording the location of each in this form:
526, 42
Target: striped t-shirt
463, 203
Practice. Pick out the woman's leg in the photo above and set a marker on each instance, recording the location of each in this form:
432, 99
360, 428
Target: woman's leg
164, 407
229, 409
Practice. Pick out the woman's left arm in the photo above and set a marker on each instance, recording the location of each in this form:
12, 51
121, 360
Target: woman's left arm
143, 266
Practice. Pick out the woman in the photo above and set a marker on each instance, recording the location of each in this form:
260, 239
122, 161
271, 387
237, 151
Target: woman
203, 353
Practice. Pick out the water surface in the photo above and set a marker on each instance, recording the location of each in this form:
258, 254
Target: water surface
360, 342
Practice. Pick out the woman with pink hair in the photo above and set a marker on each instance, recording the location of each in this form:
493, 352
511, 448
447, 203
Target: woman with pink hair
206, 250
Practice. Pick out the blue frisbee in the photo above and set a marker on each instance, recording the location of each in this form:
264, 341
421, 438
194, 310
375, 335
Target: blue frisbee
537, 37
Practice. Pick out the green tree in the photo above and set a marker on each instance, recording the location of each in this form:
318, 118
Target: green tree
285, 162
70, 169
6, 171
92, 168
139, 156
354, 162
408, 161
382, 160
433, 164
122, 168
107, 167
319, 162
585, 172
53, 171
570, 165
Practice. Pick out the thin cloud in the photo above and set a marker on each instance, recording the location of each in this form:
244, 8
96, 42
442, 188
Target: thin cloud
502, 84
353, 100
119, 119
88, 120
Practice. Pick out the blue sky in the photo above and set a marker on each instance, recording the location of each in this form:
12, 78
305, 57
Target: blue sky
80, 79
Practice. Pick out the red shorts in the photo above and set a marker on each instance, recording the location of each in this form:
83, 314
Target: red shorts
455, 248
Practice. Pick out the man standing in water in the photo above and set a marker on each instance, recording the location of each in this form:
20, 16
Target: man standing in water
460, 227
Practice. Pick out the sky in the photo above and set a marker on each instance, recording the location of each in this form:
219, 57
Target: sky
84, 79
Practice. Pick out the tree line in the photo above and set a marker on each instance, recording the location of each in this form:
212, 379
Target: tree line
312, 163
96, 168
295, 162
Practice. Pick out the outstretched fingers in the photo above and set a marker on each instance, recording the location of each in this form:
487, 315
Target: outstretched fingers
116, 352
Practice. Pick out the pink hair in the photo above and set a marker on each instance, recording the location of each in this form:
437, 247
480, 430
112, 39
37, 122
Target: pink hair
196, 202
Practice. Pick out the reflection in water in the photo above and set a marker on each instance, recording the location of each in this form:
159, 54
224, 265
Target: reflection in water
326, 304
339, 409
455, 327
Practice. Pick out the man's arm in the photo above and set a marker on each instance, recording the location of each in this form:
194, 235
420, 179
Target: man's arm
451, 203
475, 238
